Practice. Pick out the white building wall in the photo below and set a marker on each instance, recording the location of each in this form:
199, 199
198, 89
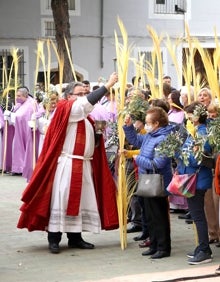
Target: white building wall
20, 25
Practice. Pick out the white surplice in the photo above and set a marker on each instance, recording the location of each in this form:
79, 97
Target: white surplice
88, 218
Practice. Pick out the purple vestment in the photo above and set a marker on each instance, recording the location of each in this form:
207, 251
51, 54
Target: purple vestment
1, 135
32, 144
99, 113
22, 134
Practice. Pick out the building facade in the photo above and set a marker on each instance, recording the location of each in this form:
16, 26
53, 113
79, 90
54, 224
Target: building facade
93, 25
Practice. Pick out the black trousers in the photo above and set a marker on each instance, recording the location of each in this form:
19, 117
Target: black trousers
55, 237
145, 227
135, 209
158, 220
196, 209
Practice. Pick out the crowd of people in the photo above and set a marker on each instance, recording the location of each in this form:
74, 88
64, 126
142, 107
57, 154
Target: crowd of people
61, 138
203, 208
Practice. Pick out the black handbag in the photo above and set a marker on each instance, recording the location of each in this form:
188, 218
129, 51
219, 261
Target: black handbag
150, 185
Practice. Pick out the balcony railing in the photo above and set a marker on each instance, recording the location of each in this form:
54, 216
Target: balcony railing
169, 6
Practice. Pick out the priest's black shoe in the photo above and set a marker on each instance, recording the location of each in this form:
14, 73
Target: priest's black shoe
54, 248
141, 237
81, 245
160, 254
149, 252
134, 228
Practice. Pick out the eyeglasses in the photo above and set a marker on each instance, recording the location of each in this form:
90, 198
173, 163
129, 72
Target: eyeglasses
77, 94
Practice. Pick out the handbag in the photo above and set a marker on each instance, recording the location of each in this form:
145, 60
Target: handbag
150, 185
208, 160
183, 185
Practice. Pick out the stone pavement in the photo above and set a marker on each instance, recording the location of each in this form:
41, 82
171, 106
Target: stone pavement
24, 255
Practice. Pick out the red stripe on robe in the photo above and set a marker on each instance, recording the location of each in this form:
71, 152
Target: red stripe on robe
77, 169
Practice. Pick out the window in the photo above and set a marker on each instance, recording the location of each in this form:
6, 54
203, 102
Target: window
49, 28
148, 61
47, 24
160, 2
170, 6
6, 60
74, 7
147, 53
170, 9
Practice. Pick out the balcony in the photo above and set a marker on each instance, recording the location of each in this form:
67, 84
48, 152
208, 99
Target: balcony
171, 7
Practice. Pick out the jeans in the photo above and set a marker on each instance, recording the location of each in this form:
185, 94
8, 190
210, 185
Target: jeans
196, 209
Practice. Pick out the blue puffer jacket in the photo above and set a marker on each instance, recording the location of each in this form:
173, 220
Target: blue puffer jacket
147, 144
204, 179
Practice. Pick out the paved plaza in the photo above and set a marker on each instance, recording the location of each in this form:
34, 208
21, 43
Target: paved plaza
24, 255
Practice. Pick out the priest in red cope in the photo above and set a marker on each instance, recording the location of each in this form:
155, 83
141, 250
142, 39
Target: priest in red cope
71, 189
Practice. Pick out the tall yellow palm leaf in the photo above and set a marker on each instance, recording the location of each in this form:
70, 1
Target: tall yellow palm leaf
4, 73
122, 55
211, 68
37, 64
16, 59
60, 60
70, 60
189, 70
150, 74
157, 40
142, 69
7, 89
187, 74
39, 57
42, 59
48, 65
172, 49
216, 59
139, 69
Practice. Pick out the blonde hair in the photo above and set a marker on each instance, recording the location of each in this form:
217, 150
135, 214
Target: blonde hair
213, 108
207, 90
184, 91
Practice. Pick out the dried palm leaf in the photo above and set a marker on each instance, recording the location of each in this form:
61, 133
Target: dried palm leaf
158, 57
122, 55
